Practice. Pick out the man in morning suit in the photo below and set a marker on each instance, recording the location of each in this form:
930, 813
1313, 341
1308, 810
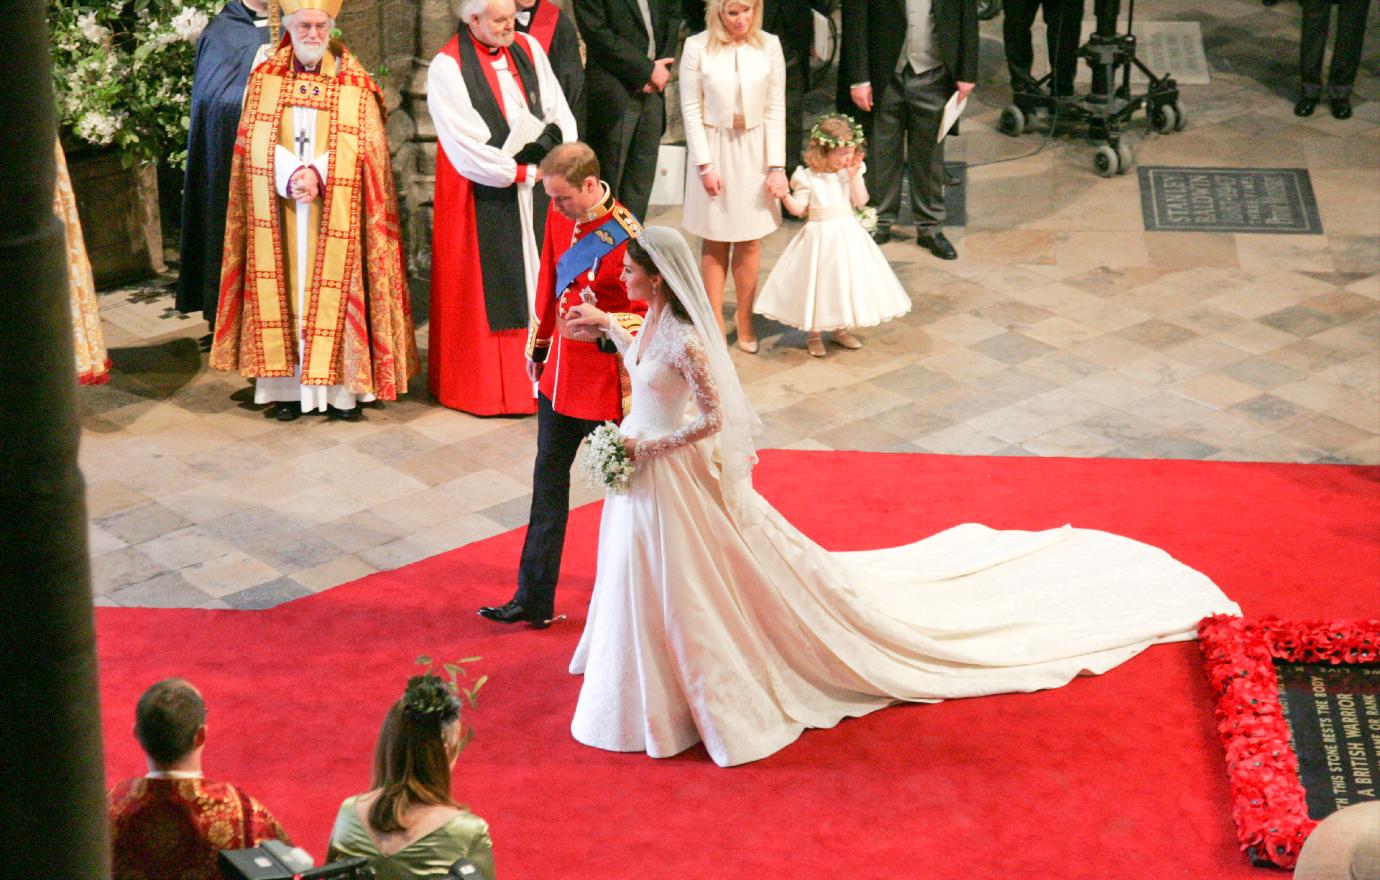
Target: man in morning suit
629, 47
580, 377
902, 59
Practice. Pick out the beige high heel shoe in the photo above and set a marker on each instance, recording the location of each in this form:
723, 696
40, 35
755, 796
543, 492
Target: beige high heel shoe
814, 344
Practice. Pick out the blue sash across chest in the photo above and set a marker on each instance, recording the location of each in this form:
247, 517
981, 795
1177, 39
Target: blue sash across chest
586, 253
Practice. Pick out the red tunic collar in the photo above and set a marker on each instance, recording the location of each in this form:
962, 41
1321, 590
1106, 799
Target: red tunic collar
596, 215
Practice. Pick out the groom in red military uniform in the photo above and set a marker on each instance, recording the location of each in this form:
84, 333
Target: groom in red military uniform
580, 377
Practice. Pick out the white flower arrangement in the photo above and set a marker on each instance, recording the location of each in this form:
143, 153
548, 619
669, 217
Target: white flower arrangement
123, 73
605, 461
867, 216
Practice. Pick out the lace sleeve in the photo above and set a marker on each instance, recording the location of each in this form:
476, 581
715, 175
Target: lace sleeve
621, 330
694, 366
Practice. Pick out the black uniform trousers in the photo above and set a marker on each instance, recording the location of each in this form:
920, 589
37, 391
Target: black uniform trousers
905, 123
1346, 53
1063, 30
797, 69
558, 441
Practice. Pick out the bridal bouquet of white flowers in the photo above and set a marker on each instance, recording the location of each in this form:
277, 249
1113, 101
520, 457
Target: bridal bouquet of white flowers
867, 216
605, 460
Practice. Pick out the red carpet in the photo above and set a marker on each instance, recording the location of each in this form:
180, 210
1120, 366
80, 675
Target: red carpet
1118, 776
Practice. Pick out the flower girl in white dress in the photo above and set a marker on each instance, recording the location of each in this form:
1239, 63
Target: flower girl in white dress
714, 619
832, 276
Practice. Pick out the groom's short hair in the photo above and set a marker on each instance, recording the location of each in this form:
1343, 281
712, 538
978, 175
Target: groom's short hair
574, 161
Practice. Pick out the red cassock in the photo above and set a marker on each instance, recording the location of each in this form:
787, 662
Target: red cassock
479, 315
581, 379
161, 828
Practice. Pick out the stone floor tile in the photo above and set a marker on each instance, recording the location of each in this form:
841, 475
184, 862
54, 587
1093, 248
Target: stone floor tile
1263, 373
1155, 333
266, 595
1324, 432
1255, 337
1171, 447
323, 500
1068, 442
1058, 332
362, 530
184, 547
99, 541
169, 590
510, 514
863, 435
913, 381
1011, 347
959, 440
1215, 390
1014, 424
962, 365
228, 574
340, 570
1269, 410
138, 524
1299, 320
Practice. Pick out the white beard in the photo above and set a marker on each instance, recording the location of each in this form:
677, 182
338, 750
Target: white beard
310, 56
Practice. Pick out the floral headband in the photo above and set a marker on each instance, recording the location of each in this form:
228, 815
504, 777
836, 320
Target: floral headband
430, 696
819, 136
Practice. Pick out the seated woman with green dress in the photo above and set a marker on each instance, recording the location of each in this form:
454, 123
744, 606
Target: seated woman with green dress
409, 826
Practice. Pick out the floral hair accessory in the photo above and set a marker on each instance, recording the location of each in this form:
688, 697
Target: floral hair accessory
819, 136
430, 697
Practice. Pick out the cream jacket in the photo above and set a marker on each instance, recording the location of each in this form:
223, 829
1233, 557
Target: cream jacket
709, 84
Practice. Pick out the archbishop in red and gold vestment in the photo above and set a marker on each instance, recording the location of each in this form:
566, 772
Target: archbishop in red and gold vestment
321, 299
174, 829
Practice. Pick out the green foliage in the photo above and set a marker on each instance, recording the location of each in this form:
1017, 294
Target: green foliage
123, 73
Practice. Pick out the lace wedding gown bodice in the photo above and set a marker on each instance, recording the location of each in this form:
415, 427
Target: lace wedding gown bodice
667, 366
708, 624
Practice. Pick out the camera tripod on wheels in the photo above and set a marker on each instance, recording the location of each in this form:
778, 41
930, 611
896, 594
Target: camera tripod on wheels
1108, 109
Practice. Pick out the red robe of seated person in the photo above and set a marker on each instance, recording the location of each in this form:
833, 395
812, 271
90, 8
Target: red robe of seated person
174, 829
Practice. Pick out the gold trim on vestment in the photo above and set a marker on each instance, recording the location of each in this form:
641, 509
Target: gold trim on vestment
269, 261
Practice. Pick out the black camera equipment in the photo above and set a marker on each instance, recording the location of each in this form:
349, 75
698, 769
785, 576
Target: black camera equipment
1108, 109
270, 862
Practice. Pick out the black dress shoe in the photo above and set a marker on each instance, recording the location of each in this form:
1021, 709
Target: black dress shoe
513, 612
1305, 106
881, 236
938, 245
335, 414
287, 412
1341, 108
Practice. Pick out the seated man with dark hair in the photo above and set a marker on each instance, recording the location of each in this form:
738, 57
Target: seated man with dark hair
172, 822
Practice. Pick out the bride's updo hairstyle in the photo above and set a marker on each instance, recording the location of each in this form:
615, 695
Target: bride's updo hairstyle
644, 261
413, 757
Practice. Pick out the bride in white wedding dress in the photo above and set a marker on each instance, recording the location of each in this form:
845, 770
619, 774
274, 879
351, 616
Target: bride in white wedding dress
713, 619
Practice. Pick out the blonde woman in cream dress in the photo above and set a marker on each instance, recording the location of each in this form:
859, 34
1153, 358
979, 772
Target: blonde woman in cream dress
733, 102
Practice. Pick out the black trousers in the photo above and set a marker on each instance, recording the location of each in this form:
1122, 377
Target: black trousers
558, 440
1346, 52
1063, 29
627, 150
905, 123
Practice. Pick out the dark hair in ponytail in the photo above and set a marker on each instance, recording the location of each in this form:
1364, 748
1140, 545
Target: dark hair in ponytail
411, 761
644, 261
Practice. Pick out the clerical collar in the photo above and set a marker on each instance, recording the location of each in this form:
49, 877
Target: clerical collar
299, 67
598, 211
173, 774
492, 51
524, 16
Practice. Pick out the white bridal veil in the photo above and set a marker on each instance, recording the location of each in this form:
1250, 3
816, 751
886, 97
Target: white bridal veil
735, 443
